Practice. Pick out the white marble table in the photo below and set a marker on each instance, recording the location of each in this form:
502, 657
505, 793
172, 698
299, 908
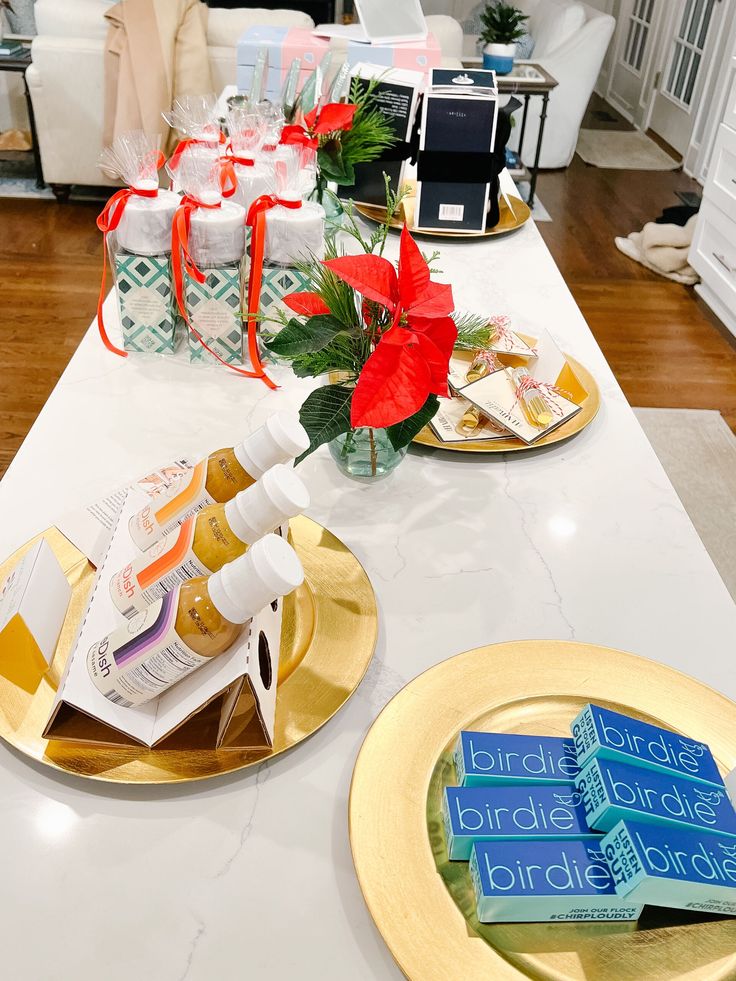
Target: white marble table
251, 877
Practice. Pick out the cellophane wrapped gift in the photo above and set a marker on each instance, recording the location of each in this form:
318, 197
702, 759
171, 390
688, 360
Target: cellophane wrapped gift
248, 128
140, 247
293, 235
216, 244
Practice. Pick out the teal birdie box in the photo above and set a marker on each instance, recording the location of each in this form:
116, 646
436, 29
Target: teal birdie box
215, 309
146, 302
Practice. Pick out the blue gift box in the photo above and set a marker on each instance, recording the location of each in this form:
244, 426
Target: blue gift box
613, 791
485, 758
672, 867
541, 881
601, 733
501, 813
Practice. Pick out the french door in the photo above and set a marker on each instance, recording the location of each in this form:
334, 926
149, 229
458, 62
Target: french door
635, 44
682, 75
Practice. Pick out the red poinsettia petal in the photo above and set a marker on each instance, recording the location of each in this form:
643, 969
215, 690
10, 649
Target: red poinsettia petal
435, 301
413, 270
371, 275
335, 116
310, 118
308, 304
441, 330
296, 135
393, 385
436, 362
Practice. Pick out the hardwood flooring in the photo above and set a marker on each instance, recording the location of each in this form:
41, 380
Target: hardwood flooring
663, 344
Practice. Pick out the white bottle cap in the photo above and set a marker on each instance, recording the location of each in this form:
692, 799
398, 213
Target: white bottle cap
280, 494
268, 570
282, 439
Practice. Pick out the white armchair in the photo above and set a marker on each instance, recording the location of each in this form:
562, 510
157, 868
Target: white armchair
575, 61
66, 79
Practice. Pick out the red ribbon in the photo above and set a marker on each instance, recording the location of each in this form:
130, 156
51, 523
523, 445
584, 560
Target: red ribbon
107, 221
181, 257
256, 219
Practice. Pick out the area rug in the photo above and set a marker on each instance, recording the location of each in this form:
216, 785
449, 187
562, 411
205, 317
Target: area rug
698, 452
618, 150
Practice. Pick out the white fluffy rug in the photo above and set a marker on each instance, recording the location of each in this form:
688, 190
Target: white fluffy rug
622, 150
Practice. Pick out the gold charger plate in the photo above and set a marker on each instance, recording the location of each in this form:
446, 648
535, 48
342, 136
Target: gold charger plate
423, 904
508, 220
579, 421
327, 642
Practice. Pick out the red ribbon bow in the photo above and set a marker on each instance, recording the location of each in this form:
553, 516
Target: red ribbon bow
107, 221
181, 261
256, 219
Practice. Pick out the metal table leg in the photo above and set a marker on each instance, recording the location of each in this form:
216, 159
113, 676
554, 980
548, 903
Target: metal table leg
34, 136
538, 152
523, 127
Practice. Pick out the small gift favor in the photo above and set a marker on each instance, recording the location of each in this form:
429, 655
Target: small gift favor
286, 230
209, 246
195, 117
136, 223
253, 170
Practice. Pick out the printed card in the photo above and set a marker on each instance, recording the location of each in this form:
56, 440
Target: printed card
449, 416
495, 396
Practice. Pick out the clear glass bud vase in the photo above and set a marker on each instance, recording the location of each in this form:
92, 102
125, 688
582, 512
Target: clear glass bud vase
366, 454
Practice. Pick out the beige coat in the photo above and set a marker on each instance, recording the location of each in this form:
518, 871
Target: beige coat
156, 51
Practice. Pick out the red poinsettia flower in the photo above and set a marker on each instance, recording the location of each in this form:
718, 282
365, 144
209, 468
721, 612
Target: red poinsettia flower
331, 118
410, 361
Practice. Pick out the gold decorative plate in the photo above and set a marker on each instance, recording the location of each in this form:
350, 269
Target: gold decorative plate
423, 904
508, 220
579, 421
327, 642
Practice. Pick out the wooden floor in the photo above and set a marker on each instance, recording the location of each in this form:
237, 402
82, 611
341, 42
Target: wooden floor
662, 343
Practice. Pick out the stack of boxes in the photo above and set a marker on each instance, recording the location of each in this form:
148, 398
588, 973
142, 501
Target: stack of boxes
593, 827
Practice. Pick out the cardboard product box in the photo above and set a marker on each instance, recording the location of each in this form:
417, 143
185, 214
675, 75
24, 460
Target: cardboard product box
284, 44
227, 703
673, 867
545, 881
420, 56
214, 308
487, 758
146, 302
397, 97
458, 129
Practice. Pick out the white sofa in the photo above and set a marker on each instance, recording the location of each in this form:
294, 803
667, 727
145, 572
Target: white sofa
570, 42
66, 79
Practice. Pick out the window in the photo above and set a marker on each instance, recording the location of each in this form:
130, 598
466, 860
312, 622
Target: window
640, 20
687, 50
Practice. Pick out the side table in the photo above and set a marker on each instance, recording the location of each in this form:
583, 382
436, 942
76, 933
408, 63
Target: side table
526, 80
19, 63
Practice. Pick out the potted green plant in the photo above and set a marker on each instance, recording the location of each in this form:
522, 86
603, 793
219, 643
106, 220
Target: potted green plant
503, 25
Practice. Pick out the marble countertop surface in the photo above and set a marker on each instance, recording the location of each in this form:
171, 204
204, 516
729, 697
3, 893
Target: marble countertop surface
251, 876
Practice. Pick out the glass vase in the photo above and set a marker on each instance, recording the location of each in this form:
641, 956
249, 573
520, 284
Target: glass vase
366, 454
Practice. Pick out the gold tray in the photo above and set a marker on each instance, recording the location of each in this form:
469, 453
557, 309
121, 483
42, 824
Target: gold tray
423, 904
579, 421
327, 642
508, 221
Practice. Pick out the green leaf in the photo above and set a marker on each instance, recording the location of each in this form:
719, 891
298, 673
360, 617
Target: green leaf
402, 433
305, 338
325, 414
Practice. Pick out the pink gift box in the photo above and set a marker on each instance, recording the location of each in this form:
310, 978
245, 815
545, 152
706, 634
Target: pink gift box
420, 56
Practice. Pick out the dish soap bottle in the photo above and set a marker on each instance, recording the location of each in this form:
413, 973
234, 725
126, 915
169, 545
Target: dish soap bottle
189, 626
219, 477
207, 540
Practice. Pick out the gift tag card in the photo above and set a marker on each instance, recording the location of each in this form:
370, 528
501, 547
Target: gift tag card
551, 366
457, 372
449, 416
496, 396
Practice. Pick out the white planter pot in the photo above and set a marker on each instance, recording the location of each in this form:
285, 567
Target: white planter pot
499, 57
